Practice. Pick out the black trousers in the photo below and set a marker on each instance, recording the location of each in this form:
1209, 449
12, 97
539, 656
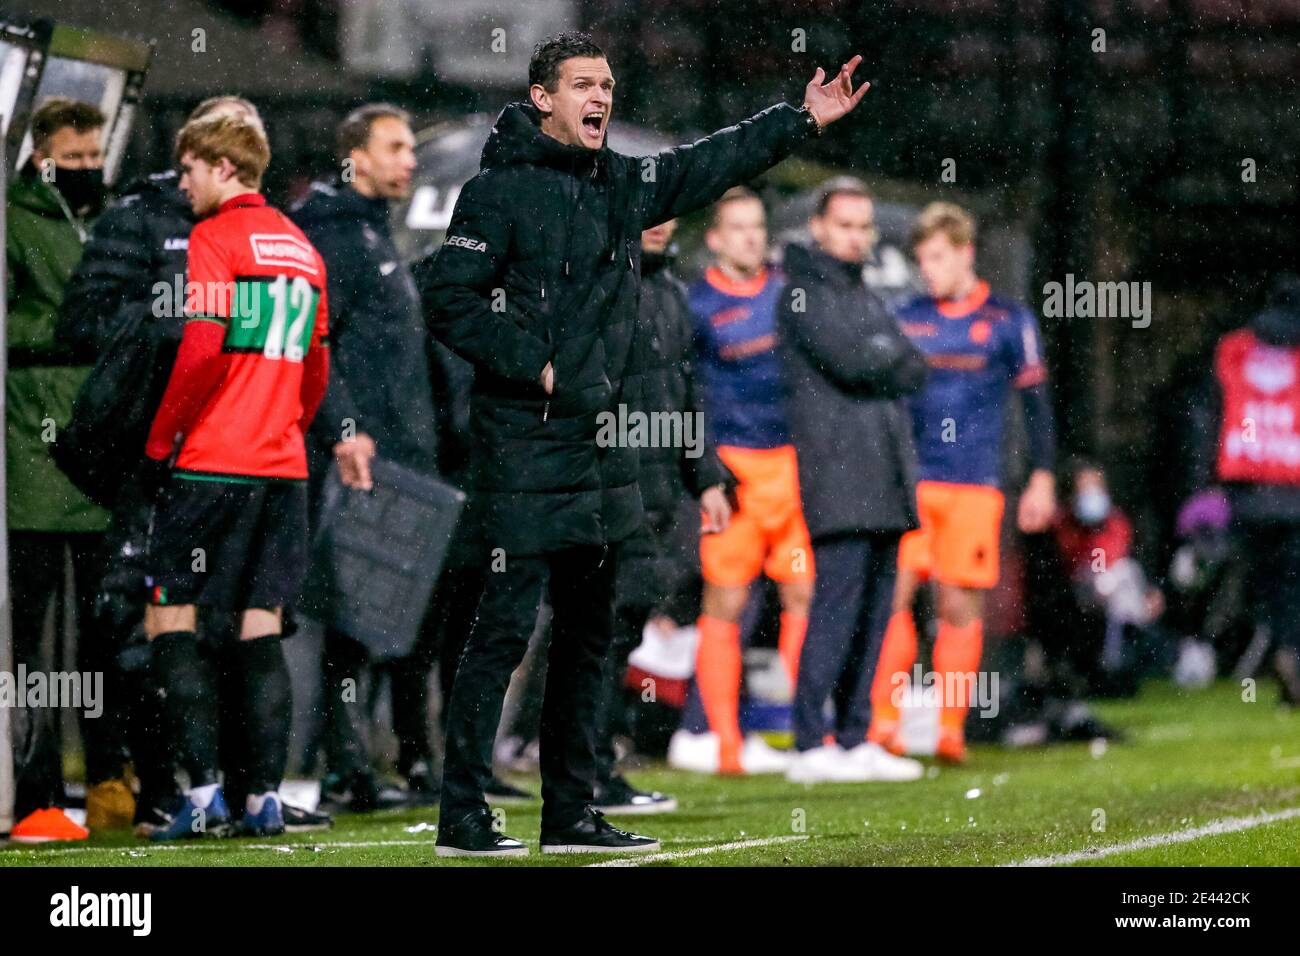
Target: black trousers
36, 563
629, 621
580, 583
1275, 558
852, 596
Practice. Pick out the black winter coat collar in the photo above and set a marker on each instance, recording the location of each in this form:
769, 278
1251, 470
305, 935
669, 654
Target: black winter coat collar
517, 139
810, 261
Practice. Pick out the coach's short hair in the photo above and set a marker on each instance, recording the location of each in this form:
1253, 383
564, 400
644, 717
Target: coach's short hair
733, 194
839, 186
947, 218
239, 139
354, 131
544, 66
61, 112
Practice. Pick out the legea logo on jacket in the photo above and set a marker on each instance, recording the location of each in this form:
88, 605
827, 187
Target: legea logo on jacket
465, 243
282, 249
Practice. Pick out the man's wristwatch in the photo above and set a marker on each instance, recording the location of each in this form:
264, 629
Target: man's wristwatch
814, 127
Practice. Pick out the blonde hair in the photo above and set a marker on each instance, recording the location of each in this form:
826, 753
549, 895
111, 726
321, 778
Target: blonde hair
239, 139
947, 218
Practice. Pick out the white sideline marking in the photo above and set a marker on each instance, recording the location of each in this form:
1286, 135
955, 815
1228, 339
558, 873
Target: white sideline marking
1230, 825
698, 851
234, 844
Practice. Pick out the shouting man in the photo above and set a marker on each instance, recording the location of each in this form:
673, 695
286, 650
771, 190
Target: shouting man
537, 284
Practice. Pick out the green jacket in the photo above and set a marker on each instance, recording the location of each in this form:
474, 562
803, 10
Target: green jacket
43, 244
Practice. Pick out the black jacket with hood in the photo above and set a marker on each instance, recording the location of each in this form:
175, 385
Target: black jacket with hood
847, 366
540, 265
382, 371
669, 474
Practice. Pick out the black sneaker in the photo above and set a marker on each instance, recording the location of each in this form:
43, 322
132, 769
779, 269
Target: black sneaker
301, 820
474, 835
359, 793
592, 834
620, 797
502, 794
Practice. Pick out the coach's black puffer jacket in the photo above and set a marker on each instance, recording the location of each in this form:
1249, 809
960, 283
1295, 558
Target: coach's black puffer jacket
540, 264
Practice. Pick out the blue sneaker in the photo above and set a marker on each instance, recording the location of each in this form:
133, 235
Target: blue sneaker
191, 821
269, 821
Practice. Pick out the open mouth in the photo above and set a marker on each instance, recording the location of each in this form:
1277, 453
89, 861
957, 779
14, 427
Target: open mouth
592, 122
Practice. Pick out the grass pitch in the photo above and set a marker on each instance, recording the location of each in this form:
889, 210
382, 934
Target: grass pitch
1201, 779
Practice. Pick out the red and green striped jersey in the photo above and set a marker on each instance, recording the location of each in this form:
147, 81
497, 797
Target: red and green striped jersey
253, 362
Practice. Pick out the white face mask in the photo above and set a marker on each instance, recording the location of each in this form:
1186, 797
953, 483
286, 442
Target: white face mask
1092, 506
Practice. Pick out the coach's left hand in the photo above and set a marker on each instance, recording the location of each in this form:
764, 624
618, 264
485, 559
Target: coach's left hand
828, 103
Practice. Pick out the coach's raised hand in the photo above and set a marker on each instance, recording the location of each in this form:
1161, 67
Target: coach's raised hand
830, 101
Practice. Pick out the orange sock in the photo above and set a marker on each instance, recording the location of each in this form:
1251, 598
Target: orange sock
718, 675
957, 653
897, 655
794, 627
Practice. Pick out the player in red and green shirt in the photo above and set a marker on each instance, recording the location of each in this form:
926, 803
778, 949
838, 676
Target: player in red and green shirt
226, 453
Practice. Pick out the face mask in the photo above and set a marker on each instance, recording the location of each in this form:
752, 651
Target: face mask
82, 189
1091, 507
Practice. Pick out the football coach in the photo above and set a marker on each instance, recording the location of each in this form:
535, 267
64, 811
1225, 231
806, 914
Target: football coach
536, 284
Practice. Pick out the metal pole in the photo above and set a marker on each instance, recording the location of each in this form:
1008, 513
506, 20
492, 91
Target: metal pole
6, 627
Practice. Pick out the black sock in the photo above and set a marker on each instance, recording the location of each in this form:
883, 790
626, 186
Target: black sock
268, 709
184, 671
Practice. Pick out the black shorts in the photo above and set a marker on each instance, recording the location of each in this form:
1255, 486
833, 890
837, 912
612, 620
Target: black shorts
230, 545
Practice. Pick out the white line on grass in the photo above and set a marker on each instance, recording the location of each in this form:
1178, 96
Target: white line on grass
210, 845
698, 851
1217, 827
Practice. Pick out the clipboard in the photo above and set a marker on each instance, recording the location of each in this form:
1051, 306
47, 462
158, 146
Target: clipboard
376, 555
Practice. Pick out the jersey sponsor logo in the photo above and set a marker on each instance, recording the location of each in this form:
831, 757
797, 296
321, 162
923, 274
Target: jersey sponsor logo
958, 362
735, 351
173, 243
465, 243
915, 330
737, 313
281, 249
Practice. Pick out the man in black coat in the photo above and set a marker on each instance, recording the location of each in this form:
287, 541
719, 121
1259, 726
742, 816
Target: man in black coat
380, 400
847, 366
536, 283
657, 565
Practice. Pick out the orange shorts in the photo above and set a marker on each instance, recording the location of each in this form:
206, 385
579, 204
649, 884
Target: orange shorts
767, 533
957, 542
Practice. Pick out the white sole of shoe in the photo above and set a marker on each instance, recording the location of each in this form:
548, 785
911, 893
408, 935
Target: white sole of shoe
640, 810
457, 851
581, 848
